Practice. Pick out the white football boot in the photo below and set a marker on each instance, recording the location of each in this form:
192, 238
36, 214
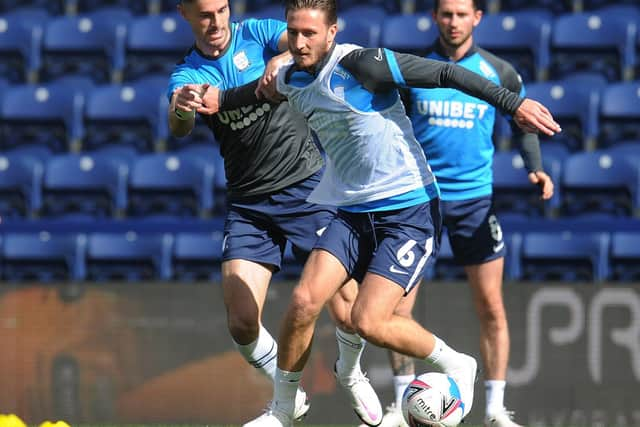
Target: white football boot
393, 417
301, 406
364, 399
272, 417
465, 376
501, 419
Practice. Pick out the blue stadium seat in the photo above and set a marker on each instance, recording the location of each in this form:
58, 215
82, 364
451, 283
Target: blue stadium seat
130, 114
625, 256
267, 11
358, 29
197, 256
553, 6
129, 256
590, 41
210, 154
41, 114
513, 193
565, 256
170, 185
619, 113
87, 44
43, 256
53, 7
574, 107
155, 43
408, 33
600, 182
84, 184
521, 38
20, 185
629, 149
117, 154
590, 79
627, 8
41, 153
84, 6
20, 44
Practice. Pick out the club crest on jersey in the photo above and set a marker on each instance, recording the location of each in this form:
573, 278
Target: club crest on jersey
241, 61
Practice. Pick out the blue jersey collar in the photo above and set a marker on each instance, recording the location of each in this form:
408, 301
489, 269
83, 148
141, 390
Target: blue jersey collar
438, 49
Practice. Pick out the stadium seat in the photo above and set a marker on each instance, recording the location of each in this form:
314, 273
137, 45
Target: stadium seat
600, 182
53, 7
553, 6
20, 44
132, 114
89, 44
357, 29
565, 256
43, 256
574, 107
629, 149
41, 114
590, 41
84, 184
38, 152
197, 256
139, 7
210, 154
619, 7
170, 185
512, 191
155, 43
20, 185
129, 256
408, 33
521, 38
266, 11
625, 256
619, 113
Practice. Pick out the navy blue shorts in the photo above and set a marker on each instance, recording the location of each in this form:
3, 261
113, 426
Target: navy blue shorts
473, 230
399, 245
257, 228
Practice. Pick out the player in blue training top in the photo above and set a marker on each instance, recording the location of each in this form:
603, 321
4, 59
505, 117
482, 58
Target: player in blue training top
271, 164
387, 229
455, 131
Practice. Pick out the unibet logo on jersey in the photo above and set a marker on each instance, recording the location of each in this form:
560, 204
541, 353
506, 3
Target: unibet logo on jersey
243, 117
453, 114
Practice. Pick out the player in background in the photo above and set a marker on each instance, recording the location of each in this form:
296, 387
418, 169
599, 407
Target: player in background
271, 163
387, 229
458, 145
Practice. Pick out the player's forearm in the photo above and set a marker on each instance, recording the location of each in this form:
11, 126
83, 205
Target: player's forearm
529, 145
241, 96
180, 124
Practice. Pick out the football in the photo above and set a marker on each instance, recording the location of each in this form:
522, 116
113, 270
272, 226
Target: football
432, 399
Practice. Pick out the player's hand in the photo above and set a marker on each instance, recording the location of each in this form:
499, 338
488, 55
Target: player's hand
188, 97
210, 100
543, 181
267, 83
534, 117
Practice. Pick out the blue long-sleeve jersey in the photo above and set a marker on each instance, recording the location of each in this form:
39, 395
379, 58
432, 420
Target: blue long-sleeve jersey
455, 129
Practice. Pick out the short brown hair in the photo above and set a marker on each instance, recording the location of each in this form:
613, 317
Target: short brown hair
477, 5
329, 7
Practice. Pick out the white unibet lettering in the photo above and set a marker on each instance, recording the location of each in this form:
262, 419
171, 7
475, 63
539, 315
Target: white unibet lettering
469, 110
436, 108
482, 109
223, 116
624, 337
564, 297
456, 109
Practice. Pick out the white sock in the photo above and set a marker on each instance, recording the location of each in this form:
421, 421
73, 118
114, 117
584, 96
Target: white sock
494, 390
400, 383
262, 353
350, 348
443, 357
285, 388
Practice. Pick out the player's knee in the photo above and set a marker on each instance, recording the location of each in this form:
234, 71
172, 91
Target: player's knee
367, 326
243, 326
304, 308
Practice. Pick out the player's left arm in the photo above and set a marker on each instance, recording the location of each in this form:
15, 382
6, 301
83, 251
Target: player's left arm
528, 142
381, 70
